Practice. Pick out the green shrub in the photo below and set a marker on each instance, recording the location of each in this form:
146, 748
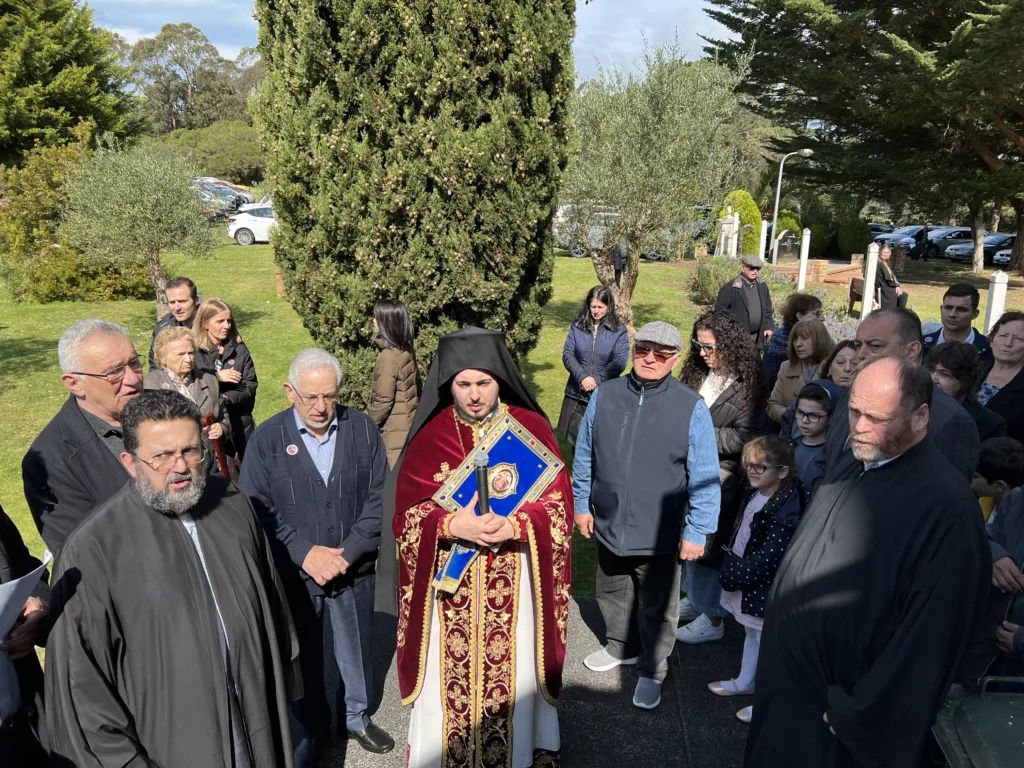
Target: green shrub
853, 235
415, 156
228, 149
713, 272
821, 236
742, 203
788, 220
35, 261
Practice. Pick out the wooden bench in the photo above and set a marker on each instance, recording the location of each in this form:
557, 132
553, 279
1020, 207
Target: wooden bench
856, 293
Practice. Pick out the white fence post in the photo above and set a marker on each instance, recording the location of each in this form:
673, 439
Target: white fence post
805, 251
996, 303
735, 241
763, 242
870, 268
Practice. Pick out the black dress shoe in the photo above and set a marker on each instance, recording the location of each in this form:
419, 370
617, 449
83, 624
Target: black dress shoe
373, 739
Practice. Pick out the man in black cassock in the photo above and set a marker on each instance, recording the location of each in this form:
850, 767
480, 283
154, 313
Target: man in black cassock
874, 601
173, 645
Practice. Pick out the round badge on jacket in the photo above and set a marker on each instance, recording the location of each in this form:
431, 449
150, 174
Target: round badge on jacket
292, 449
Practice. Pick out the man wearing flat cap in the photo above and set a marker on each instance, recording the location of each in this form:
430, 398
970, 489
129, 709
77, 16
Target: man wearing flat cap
747, 299
646, 484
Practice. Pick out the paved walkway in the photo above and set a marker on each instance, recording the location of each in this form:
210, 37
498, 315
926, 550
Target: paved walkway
600, 726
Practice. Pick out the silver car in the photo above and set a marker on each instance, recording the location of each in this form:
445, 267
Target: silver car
941, 239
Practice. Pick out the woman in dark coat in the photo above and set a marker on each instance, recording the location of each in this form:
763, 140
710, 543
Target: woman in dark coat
1002, 389
799, 306
222, 352
724, 369
596, 349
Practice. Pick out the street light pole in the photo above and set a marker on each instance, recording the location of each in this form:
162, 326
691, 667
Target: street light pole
778, 188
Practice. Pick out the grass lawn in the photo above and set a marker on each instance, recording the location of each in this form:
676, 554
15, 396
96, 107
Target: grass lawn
31, 392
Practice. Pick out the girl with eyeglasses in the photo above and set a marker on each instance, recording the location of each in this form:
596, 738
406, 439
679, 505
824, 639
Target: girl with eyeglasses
724, 369
809, 345
773, 505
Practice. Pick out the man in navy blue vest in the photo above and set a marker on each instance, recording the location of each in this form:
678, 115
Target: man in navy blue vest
315, 474
646, 483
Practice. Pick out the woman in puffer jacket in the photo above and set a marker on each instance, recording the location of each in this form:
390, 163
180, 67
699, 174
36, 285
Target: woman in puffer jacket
395, 391
596, 349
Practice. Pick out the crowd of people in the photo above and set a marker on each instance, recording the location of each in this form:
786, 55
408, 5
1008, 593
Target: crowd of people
855, 505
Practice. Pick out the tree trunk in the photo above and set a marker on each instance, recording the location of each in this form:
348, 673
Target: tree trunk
1017, 257
606, 275
156, 274
978, 233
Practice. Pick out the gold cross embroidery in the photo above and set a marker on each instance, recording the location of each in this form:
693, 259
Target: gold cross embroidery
441, 476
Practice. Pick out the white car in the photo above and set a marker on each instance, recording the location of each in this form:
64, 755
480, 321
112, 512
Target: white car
252, 224
1002, 258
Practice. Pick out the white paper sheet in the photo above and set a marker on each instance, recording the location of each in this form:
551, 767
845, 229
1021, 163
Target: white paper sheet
13, 595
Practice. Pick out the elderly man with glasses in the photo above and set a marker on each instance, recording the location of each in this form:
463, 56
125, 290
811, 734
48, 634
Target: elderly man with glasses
646, 484
74, 465
315, 474
747, 299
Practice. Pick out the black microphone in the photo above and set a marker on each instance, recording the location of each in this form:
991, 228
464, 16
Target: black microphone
483, 499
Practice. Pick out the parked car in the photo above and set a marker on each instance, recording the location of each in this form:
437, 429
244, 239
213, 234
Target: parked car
1002, 258
997, 241
939, 240
904, 237
236, 189
252, 224
880, 229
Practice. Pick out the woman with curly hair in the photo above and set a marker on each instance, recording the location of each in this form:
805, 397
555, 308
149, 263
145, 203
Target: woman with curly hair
724, 369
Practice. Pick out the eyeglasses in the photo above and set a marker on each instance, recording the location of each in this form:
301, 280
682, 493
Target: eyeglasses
165, 462
115, 375
760, 469
642, 350
810, 418
752, 269
703, 345
311, 400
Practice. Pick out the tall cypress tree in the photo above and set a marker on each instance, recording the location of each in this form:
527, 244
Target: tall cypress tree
414, 151
56, 70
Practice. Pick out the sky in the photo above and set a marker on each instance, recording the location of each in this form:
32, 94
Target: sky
610, 30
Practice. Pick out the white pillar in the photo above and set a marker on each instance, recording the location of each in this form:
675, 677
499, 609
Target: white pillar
870, 268
734, 243
996, 303
764, 240
805, 252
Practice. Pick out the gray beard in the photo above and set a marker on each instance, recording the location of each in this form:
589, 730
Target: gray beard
172, 503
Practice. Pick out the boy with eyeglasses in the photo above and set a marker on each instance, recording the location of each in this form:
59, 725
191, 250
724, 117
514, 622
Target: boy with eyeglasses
813, 413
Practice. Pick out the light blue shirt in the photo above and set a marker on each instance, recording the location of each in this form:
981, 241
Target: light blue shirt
703, 477
321, 451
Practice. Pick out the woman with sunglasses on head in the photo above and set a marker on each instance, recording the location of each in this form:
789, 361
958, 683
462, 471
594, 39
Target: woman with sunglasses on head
809, 345
395, 396
724, 369
596, 349
774, 503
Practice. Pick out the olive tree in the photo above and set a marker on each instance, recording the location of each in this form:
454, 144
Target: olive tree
126, 203
654, 144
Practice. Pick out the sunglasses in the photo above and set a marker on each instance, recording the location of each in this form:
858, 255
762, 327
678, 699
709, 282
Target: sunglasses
702, 345
753, 269
642, 350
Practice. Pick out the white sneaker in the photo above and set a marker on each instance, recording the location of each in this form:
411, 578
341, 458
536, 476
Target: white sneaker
686, 610
700, 631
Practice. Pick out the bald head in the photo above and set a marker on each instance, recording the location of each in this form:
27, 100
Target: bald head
889, 408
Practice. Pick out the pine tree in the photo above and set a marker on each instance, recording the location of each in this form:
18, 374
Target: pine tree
56, 70
414, 150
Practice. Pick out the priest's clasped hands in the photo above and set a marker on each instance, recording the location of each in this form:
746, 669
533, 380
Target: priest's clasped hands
485, 530
325, 564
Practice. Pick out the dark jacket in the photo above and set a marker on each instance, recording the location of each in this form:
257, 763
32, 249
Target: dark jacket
980, 343
603, 357
618, 257
990, 423
67, 472
736, 423
298, 510
640, 441
394, 399
731, 299
776, 352
167, 321
886, 283
770, 531
1006, 539
1008, 402
239, 399
15, 562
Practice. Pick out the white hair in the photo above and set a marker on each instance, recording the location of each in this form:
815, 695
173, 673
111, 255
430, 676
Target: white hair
75, 335
310, 359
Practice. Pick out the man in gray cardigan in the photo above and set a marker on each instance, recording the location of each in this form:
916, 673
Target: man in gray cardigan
646, 483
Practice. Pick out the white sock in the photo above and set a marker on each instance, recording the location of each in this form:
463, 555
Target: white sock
748, 667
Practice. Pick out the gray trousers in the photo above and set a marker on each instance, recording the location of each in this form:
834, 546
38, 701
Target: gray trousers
639, 600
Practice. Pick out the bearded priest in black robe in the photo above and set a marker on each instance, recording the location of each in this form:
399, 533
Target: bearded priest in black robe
174, 646
874, 602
